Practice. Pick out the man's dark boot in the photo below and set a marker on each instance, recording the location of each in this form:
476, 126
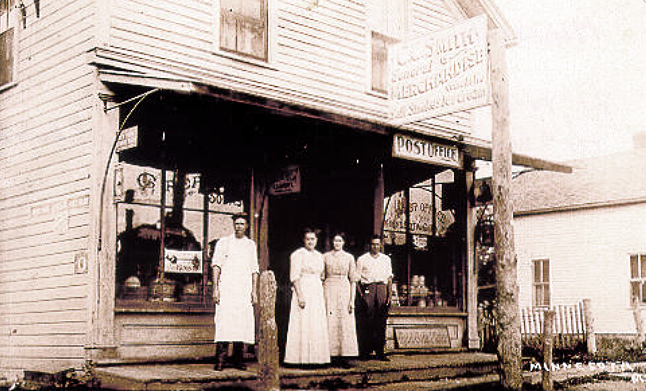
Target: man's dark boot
220, 353
238, 356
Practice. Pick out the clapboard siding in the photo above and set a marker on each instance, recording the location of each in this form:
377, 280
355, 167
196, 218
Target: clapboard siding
52, 103
45, 160
58, 317
589, 252
41, 224
40, 294
320, 53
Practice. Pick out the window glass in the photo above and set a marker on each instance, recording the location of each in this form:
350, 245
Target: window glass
541, 282
388, 21
634, 266
243, 27
6, 42
426, 253
184, 270
379, 63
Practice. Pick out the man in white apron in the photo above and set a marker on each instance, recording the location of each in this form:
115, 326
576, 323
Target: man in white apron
235, 282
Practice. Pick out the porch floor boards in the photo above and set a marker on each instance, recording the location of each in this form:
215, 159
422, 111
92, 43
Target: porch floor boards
467, 367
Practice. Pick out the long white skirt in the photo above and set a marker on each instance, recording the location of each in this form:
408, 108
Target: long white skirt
307, 334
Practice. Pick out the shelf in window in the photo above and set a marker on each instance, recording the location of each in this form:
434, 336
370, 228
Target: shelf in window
426, 311
141, 306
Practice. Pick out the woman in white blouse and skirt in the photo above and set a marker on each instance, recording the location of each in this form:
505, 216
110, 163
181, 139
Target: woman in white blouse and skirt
307, 333
340, 286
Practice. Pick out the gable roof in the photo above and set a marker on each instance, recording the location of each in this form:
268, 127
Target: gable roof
601, 181
473, 8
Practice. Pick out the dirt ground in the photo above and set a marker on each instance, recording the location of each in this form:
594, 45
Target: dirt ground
608, 385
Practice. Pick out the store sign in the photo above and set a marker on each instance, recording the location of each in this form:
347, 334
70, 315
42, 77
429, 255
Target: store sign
287, 181
421, 209
439, 74
421, 338
185, 262
127, 138
412, 148
142, 185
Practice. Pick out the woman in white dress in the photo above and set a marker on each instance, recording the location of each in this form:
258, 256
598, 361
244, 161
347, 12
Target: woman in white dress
340, 287
307, 333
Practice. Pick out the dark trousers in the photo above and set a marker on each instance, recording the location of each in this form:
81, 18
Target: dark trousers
222, 348
372, 314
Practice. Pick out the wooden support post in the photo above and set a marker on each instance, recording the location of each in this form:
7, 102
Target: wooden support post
548, 347
639, 322
591, 340
268, 335
509, 339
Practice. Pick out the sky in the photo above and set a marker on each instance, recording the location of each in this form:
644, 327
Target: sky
577, 76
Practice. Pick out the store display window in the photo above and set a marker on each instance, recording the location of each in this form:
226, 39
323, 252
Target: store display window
427, 252
192, 223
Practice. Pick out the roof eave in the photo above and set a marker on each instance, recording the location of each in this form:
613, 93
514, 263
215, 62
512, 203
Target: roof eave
473, 8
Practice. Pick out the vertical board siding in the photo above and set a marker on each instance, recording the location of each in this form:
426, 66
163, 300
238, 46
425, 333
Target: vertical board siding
45, 160
320, 52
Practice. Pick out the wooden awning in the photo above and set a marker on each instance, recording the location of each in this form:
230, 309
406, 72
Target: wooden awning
186, 86
484, 153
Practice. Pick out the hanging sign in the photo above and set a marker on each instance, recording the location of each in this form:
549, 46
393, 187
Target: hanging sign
185, 262
127, 139
439, 74
413, 148
287, 181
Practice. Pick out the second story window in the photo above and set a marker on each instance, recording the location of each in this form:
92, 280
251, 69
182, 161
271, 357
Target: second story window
388, 22
243, 27
541, 283
7, 42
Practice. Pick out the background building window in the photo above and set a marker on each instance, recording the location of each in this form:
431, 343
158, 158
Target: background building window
541, 282
388, 22
243, 27
638, 277
7, 10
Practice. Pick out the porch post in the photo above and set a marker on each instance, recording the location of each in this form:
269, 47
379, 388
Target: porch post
508, 313
378, 211
471, 261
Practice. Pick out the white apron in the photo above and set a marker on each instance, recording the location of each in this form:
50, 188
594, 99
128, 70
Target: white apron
234, 315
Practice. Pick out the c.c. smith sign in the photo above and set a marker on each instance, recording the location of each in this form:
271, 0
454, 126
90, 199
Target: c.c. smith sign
440, 73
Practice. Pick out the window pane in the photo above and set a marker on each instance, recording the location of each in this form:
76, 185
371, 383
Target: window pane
251, 39
546, 295
379, 63
253, 9
546, 270
643, 286
634, 266
634, 291
642, 263
537, 271
6, 57
538, 295
231, 6
228, 32
4, 16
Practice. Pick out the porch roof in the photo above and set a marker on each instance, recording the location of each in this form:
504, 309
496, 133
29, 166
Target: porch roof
475, 149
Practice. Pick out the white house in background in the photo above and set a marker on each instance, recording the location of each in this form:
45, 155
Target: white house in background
583, 235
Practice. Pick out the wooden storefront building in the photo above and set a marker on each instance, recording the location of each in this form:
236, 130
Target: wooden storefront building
278, 108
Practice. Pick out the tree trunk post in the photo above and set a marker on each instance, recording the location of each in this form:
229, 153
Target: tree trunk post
548, 347
268, 336
508, 322
591, 340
